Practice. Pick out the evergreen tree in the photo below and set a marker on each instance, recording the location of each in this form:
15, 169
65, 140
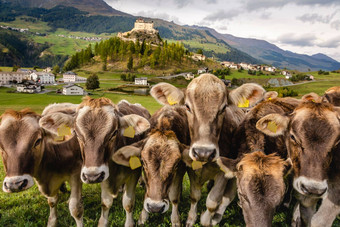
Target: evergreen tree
130, 63
92, 82
56, 69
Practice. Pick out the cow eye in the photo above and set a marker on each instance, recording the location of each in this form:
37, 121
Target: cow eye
37, 143
293, 138
188, 108
114, 134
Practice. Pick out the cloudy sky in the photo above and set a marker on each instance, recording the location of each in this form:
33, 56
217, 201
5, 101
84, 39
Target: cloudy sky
301, 26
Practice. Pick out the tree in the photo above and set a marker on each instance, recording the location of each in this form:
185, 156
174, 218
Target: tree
200, 51
56, 69
92, 82
15, 68
130, 63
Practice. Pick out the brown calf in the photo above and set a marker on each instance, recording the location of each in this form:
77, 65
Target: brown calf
161, 152
212, 114
100, 127
246, 140
29, 151
312, 135
333, 95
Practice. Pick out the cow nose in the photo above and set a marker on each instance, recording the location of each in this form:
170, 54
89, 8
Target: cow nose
204, 154
155, 208
310, 190
93, 178
16, 186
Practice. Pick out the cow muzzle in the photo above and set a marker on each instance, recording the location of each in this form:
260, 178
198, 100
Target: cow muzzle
152, 206
203, 153
92, 175
310, 187
17, 183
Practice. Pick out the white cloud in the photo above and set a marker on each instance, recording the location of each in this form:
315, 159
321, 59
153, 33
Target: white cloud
314, 17
297, 39
336, 25
159, 15
221, 15
330, 43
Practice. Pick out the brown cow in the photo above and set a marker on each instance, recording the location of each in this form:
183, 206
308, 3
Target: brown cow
260, 185
333, 95
161, 152
254, 179
29, 151
213, 115
100, 126
312, 135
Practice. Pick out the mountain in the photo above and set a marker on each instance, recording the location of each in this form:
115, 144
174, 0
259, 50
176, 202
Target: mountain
94, 7
273, 55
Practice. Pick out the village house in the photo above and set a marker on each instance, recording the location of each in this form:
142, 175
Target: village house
189, 76
29, 87
13, 77
141, 81
47, 70
202, 70
73, 89
198, 57
43, 77
71, 77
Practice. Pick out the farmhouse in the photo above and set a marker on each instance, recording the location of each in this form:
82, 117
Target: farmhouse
73, 89
43, 77
13, 77
71, 77
141, 81
202, 70
29, 88
198, 57
47, 70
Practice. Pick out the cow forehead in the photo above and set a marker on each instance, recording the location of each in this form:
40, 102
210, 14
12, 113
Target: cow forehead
161, 146
100, 120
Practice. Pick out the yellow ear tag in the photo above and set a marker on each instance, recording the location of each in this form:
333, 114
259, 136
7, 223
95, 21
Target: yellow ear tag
196, 165
129, 132
171, 101
313, 100
245, 103
269, 98
64, 130
272, 126
223, 170
59, 138
134, 162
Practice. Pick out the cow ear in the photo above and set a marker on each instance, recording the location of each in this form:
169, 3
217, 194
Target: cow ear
58, 124
138, 123
270, 95
247, 95
124, 154
167, 94
273, 124
228, 166
311, 97
287, 167
185, 154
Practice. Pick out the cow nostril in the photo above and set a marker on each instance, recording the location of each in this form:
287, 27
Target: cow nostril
304, 189
5, 185
149, 207
162, 209
84, 177
212, 156
195, 153
323, 192
23, 184
101, 176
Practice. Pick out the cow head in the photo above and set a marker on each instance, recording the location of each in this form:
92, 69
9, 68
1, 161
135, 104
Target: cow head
160, 154
260, 184
207, 100
332, 95
312, 134
22, 143
99, 127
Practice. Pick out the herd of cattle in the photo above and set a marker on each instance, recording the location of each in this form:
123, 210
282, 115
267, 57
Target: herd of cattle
245, 141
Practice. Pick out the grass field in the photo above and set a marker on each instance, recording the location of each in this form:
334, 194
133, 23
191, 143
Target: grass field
29, 208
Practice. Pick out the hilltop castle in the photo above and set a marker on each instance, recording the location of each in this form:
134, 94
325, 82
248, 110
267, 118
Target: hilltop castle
142, 31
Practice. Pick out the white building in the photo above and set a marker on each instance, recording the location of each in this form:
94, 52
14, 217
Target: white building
203, 70
43, 77
31, 88
141, 81
71, 77
198, 57
9, 77
141, 25
73, 89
